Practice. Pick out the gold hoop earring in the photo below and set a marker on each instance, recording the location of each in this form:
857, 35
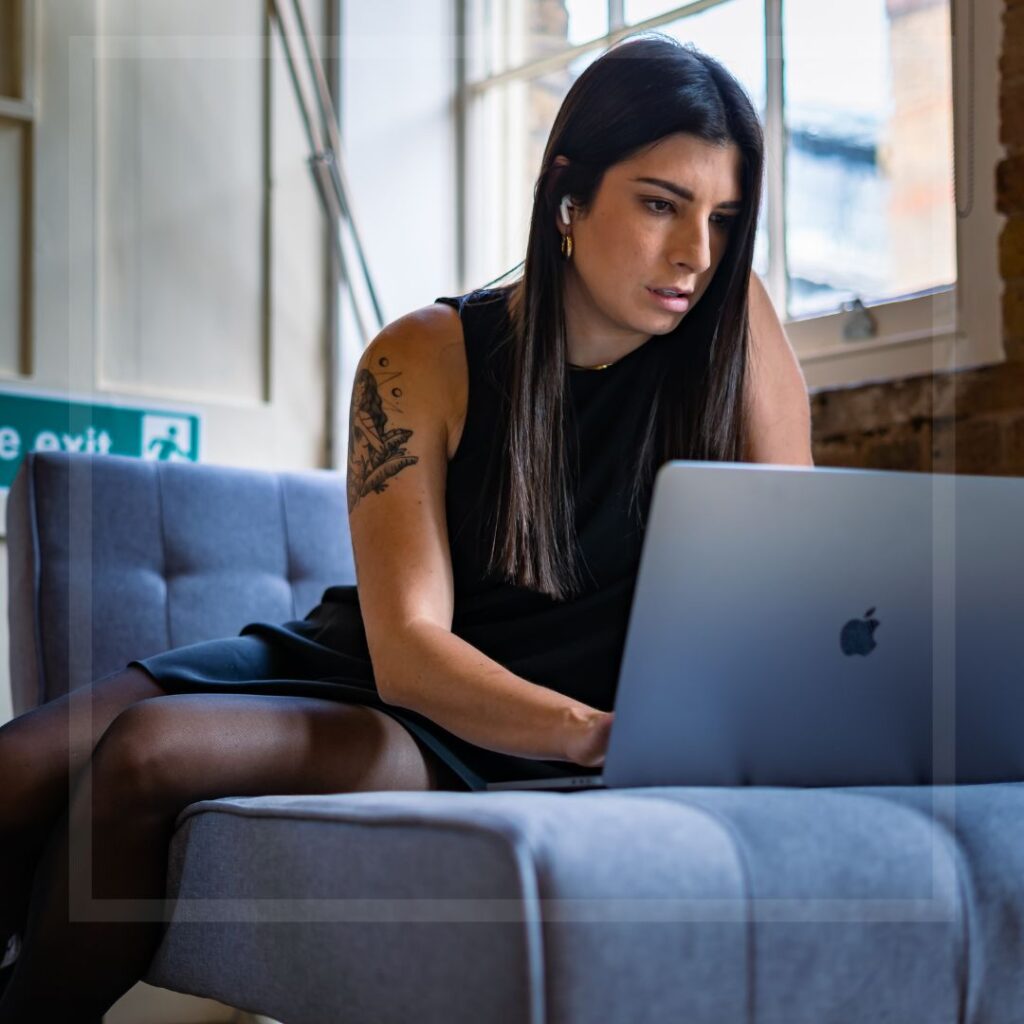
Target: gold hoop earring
567, 247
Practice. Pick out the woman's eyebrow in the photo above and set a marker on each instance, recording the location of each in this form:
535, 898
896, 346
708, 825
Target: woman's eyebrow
685, 193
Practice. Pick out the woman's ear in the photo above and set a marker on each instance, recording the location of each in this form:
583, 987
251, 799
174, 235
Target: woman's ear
565, 203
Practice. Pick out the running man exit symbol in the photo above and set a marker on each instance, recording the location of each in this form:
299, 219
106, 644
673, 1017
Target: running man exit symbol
166, 438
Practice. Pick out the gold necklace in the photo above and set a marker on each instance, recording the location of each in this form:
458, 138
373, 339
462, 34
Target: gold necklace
603, 366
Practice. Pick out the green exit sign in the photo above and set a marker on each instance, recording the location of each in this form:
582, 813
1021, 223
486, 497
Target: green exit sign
33, 423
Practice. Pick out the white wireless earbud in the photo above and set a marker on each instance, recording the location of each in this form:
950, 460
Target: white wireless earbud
564, 207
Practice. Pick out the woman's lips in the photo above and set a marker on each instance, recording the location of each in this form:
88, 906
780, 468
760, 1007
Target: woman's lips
676, 305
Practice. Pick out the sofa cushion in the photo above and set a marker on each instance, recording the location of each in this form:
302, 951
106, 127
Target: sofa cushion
663, 903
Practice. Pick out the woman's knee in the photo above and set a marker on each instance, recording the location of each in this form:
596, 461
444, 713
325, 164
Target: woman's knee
133, 768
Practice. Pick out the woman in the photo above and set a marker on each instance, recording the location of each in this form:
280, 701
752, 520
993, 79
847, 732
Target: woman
502, 449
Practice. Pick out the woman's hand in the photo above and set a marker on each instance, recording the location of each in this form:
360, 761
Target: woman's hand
588, 739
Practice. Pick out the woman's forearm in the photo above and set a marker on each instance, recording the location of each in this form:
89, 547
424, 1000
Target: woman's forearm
436, 673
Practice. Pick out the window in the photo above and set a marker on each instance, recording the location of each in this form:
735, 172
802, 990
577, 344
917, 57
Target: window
877, 245
16, 116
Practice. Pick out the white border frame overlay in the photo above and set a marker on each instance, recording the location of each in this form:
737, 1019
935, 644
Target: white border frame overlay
84, 55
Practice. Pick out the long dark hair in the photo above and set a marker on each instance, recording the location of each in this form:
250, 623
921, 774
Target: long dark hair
636, 93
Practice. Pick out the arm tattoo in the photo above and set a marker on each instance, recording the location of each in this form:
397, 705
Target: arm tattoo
375, 453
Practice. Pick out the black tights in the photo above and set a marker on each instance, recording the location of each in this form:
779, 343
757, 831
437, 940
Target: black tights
119, 784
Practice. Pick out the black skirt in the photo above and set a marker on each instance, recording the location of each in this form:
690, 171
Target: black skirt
325, 655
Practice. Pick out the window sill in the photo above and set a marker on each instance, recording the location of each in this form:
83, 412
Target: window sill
891, 361
916, 337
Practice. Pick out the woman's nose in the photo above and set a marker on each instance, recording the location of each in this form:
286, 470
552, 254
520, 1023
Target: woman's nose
692, 247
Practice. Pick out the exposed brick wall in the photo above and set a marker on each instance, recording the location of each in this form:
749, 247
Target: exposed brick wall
966, 422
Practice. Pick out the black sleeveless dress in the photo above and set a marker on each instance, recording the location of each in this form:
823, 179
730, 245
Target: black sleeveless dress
574, 647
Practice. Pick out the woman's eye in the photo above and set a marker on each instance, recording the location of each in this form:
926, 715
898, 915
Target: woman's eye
664, 206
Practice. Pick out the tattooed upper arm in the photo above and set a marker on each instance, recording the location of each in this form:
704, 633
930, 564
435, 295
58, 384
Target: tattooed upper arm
376, 449
405, 404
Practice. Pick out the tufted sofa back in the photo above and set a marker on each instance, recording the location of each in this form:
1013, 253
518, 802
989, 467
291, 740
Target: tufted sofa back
113, 558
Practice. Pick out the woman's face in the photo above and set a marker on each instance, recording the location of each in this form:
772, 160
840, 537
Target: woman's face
669, 231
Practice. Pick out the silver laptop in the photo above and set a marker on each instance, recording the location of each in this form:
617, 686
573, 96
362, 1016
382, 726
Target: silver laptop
821, 627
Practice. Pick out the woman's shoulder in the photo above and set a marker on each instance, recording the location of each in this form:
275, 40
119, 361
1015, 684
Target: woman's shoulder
436, 336
441, 346
426, 337
422, 353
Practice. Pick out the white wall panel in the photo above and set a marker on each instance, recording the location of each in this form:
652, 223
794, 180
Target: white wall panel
180, 155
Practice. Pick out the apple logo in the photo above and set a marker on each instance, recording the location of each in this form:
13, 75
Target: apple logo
858, 635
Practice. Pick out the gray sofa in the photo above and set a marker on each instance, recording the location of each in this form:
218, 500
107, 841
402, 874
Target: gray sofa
701, 905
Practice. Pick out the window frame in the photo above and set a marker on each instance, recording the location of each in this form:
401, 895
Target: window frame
946, 329
23, 108
21, 111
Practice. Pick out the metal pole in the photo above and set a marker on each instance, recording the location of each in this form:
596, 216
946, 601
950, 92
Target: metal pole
326, 158
334, 152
